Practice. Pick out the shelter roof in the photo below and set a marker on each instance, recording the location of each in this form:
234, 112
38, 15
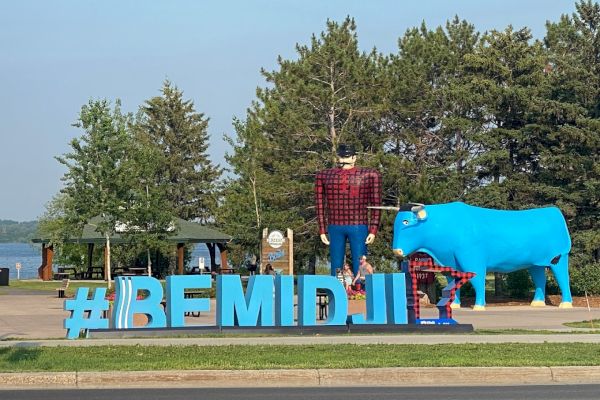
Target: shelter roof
184, 232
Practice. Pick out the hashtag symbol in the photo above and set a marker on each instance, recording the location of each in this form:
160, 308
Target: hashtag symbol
80, 306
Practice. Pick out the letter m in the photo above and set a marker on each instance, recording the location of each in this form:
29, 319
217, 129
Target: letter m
255, 308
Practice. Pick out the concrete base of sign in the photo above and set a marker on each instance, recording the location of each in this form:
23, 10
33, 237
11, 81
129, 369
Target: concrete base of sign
284, 330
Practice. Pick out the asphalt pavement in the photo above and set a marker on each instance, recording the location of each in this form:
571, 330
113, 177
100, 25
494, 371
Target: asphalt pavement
547, 392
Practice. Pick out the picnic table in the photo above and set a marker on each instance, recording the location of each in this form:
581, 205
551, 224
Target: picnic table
137, 270
65, 273
192, 294
98, 271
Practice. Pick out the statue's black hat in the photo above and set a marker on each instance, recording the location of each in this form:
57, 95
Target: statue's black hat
346, 150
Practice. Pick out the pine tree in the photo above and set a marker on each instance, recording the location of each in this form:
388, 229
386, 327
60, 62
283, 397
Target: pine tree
185, 170
323, 98
508, 69
571, 149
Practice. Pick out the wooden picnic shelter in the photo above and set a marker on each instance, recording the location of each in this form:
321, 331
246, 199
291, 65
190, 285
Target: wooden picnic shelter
185, 232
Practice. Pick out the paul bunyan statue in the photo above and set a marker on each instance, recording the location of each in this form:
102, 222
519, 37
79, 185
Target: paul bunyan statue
343, 195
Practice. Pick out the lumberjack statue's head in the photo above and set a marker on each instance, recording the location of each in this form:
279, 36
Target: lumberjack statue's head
346, 156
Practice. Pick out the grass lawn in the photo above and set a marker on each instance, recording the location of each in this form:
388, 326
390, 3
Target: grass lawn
145, 358
51, 285
594, 324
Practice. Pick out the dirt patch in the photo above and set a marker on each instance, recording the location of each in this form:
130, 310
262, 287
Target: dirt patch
578, 301
496, 301
551, 300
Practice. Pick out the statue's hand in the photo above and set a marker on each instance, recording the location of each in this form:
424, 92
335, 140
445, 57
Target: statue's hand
324, 239
370, 238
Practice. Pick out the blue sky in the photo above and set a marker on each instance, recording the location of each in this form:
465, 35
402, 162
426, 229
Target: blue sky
56, 55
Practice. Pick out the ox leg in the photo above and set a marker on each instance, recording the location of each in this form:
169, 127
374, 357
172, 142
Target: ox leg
478, 282
538, 275
470, 262
456, 303
561, 273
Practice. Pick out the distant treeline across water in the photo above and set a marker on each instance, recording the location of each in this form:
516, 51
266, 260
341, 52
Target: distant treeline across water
30, 257
17, 232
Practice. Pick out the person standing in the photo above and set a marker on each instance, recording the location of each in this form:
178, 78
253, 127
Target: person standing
269, 270
342, 196
364, 269
347, 276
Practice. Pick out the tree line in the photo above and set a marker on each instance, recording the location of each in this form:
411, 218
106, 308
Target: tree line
495, 119
137, 173
17, 232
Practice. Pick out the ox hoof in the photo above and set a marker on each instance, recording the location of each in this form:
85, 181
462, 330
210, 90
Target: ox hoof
566, 304
538, 303
455, 306
478, 308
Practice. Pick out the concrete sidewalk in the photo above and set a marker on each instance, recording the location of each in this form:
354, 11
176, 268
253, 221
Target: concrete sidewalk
36, 319
31, 315
447, 376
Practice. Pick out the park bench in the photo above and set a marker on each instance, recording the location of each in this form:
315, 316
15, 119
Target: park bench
63, 287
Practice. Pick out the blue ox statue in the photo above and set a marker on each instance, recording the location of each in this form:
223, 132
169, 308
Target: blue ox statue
480, 240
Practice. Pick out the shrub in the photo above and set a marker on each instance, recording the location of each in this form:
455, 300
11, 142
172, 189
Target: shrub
519, 284
585, 277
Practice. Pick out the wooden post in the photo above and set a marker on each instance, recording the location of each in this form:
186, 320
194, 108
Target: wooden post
223, 251
43, 265
90, 255
180, 247
106, 266
290, 235
45, 270
49, 258
211, 252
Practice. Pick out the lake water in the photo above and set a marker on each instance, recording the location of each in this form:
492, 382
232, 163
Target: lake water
30, 257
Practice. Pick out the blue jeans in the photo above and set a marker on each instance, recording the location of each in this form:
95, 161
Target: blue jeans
356, 235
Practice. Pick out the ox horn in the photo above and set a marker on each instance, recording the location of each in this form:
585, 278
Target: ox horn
416, 207
388, 208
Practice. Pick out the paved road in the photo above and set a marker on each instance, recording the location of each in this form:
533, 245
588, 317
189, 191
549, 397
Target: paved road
551, 392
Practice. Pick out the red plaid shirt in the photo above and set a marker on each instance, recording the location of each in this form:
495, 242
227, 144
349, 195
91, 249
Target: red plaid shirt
342, 197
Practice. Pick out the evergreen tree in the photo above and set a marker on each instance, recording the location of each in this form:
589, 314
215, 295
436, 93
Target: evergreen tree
323, 98
571, 150
184, 169
508, 69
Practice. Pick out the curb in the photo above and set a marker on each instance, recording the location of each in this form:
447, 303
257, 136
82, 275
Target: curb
449, 376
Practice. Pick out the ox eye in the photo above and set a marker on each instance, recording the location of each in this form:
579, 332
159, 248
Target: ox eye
405, 222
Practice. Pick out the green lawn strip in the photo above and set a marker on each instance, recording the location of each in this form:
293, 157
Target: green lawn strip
536, 331
593, 324
51, 285
146, 358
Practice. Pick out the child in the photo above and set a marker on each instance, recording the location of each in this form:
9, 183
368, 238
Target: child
348, 276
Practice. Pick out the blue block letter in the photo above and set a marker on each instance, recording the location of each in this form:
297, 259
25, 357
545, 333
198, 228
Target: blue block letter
307, 299
127, 304
253, 309
177, 304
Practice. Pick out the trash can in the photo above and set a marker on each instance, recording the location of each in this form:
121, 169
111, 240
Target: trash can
3, 276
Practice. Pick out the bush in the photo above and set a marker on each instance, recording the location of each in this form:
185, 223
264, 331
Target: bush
519, 284
551, 284
585, 277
